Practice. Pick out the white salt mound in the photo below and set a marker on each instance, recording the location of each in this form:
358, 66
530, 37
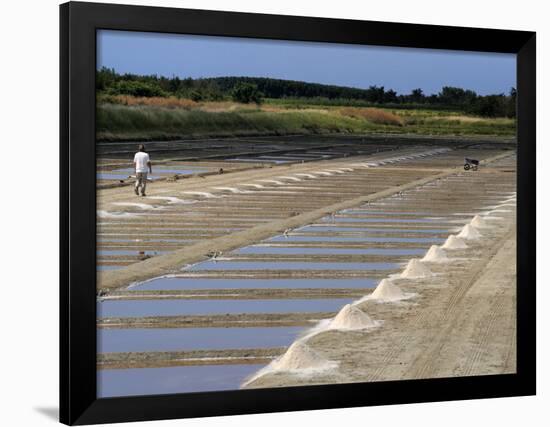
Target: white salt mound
416, 270
300, 356
454, 242
387, 291
172, 200
142, 206
351, 317
435, 254
479, 222
113, 215
469, 233
201, 193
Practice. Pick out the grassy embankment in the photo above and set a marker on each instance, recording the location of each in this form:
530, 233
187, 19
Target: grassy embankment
129, 118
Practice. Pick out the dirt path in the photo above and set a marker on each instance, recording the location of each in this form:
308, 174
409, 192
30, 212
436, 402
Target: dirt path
482, 322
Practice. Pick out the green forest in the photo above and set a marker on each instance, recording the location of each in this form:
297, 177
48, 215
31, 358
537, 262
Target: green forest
258, 90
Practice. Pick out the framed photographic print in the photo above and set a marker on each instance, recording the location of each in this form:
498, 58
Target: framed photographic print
267, 213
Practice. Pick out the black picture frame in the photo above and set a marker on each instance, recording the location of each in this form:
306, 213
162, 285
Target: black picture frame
78, 25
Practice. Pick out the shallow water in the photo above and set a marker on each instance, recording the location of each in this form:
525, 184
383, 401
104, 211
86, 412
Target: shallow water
368, 211
389, 220
355, 239
281, 250
180, 283
100, 267
289, 265
143, 240
147, 234
158, 173
326, 153
181, 307
174, 339
332, 229
186, 171
179, 379
258, 160
119, 176
290, 158
374, 210
111, 252
159, 230
313, 155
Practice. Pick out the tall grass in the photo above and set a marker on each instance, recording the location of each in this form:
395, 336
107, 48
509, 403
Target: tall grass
144, 122
162, 118
172, 102
153, 101
373, 115
292, 102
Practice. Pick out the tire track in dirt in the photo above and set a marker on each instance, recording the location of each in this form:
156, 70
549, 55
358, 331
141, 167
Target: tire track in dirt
493, 325
424, 366
442, 309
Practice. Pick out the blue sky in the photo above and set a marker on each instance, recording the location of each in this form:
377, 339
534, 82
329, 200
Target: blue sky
401, 69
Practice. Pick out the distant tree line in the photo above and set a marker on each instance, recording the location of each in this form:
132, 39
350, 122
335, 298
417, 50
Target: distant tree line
255, 89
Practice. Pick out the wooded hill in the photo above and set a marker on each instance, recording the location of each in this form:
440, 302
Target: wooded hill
257, 89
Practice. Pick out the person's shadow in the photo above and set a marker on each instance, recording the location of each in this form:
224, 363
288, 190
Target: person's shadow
51, 412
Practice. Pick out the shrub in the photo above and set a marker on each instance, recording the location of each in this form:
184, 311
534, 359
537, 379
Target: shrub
196, 96
490, 106
246, 93
135, 88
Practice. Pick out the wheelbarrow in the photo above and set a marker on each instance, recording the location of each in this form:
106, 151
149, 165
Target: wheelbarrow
470, 164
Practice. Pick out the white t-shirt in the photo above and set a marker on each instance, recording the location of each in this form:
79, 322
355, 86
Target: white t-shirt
140, 160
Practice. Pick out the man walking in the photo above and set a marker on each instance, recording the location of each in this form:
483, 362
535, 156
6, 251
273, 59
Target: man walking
141, 164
